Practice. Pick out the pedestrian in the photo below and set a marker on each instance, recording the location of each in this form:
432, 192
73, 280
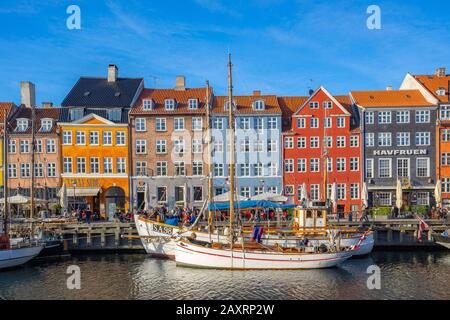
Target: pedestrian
80, 216
350, 217
88, 217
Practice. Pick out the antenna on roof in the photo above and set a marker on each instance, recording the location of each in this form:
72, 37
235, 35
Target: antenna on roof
310, 89
155, 81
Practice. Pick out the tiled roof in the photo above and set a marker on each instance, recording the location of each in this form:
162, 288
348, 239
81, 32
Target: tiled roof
41, 113
244, 104
181, 97
5, 109
289, 105
390, 98
65, 114
98, 92
433, 83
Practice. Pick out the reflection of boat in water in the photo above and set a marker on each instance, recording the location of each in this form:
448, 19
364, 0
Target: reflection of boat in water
442, 239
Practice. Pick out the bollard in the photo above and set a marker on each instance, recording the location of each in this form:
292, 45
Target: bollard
89, 237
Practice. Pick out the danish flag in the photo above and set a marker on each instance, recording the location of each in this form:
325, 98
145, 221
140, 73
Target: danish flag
360, 241
422, 227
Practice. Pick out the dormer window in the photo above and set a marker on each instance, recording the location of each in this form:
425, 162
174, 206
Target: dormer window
115, 114
76, 114
193, 104
22, 125
169, 104
327, 105
314, 105
440, 92
227, 105
46, 125
259, 105
148, 104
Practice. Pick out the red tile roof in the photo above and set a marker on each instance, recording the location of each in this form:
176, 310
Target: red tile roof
390, 98
5, 109
244, 104
433, 83
41, 113
181, 97
289, 105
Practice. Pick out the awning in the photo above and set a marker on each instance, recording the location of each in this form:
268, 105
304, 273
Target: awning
82, 192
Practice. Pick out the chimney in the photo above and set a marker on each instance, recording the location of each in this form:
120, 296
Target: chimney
180, 83
440, 72
389, 88
47, 104
113, 73
27, 94
257, 93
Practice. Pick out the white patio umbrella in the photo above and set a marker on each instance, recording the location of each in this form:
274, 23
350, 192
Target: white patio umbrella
399, 196
270, 197
438, 194
365, 196
304, 195
63, 200
333, 196
225, 197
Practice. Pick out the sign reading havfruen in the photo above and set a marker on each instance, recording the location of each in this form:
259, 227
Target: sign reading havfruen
416, 152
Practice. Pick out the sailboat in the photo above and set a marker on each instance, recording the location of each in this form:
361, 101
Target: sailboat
251, 255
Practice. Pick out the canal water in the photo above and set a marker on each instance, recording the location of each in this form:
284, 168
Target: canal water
404, 275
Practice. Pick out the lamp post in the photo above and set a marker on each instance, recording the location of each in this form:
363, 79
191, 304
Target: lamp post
74, 184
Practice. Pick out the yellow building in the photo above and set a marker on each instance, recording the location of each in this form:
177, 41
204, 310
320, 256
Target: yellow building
94, 162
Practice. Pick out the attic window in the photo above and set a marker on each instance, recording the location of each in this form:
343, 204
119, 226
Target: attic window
115, 115
117, 94
46, 125
227, 104
314, 105
440, 92
259, 105
193, 104
169, 104
147, 104
87, 94
22, 125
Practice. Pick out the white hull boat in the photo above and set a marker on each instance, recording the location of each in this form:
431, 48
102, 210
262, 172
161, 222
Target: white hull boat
158, 239
14, 257
214, 257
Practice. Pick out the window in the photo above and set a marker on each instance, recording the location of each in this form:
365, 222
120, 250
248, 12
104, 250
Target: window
423, 198
141, 168
121, 165
354, 164
329, 164
385, 198
169, 104
423, 167
258, 190
271, 146
384, 117
120, 138
198, 194
422, 138
46, 125
340, 122
245, 123
403, 167
314, 142
445, 112
179, 146
81, 165
81, 138
50, 145
354, 191
314, 123
25, 170
245, 170
328, 122
301, 123
370, 117
197, 124
440, 91
301, 142
341, 191
272, 168
178, 124
161, 124
218, 146
38, 170
245, 145
370, 139
314, 105
179, 168
445, 159
51, 170
147, 104
314, 165
272, 189
289, 143
115, 115
259, 124
340, 164
67, 165
384, 139
218, 170
218, 123
76, 114
245, 192
354, 141
329, 142
445, 135
369, 169
38, 146
197, 146
94, 165
403, 116
315, 192
67, 138
385, 168
446, 185
161, 168
197, 168
272, 123
423, 116
258, 170
24, 146
12, 171
107, 165
340, 142
301, 165
327, 105
289, 190
161, 146
141, 147
258, 105
289, 165
227, 105
22, 125
403, 139
193, 104
161, 194
12, 146
107, 138
94, 138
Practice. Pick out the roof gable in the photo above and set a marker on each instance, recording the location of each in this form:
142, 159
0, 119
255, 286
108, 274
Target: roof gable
332, 98
94, 120
390, 98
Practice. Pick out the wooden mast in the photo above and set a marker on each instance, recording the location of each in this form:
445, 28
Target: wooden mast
231, 144
33, 146
210, 166
5, 175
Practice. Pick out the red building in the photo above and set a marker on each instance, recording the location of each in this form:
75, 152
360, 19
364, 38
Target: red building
324, 131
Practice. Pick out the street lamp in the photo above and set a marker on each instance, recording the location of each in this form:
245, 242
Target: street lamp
74, 184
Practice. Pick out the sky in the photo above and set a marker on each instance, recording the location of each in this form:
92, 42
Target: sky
282, 47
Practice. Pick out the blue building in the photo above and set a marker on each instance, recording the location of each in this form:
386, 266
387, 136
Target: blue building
258, 125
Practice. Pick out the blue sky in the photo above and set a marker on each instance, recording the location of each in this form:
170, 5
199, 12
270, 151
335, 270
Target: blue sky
278, 46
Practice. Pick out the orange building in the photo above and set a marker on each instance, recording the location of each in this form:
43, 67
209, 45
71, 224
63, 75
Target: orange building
94, 154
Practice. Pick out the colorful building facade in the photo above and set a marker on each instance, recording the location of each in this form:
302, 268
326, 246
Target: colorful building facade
6, 111
323, 147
